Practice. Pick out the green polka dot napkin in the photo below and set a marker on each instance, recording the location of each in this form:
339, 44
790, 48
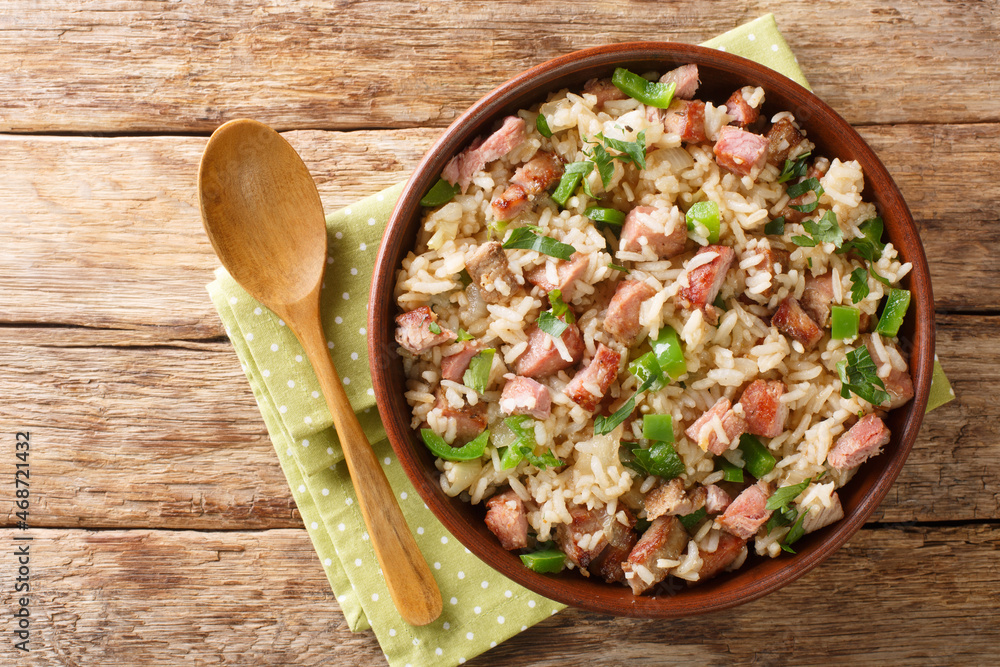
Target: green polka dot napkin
481, 608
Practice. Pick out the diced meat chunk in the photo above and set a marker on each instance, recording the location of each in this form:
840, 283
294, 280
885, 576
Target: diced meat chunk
821, 517
603, 90
567, 273
453, 366
590, 384
413, 330
622, 318
737, 106
663, 230
898, 383
685, 118
585, 537
745, 515
621, 539
524, 396
863, 441
729, 549
740, 151
488, 268
533, 178
818, 168
763, 410
543, 357
817, 297
670, 499
507, 519
775, 261
716, 499
463, 166
705, 280
781, 139
686, 78
705, 433
794, 215
470, 420
665, 539
792, 320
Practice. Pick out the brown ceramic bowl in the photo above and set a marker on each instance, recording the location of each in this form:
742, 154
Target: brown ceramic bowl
721, 73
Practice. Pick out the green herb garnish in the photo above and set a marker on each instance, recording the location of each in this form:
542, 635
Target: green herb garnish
859, 285
824, 230
869, 246
551, 324
559, 307
525, 238
690, 521
435, 328
464, 335
661, 459
649, 373
523, 447
477, 376
650, 93
859, 375
441, 192
631, 151
803, 187
617, 267
775, 227
786, 494
474, 449
795, 534
602, 160
796, 168
542, 126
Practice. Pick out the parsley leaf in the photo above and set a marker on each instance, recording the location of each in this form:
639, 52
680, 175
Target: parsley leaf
859, 375
478, 374
794, 168
824, 230
868, 246
794, 534
803, 187
779, 499
526, 238
661, 459
616, 267
634, 151
859, 285
559, 307
551, 324
602, 159
775, 227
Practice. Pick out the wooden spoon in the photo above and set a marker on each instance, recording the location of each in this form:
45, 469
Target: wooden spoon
264, 217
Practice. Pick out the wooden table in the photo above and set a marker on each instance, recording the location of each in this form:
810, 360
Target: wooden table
164, 530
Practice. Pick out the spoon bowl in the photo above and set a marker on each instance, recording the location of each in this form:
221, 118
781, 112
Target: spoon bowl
265, 220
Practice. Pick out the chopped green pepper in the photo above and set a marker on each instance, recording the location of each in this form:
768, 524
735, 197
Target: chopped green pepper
706, 214
608, 216
894, 312
758, 460
658, 427
441, 192
650, 93
845, 322
670, 354
542, 126
474, 449
546, 562
730, 472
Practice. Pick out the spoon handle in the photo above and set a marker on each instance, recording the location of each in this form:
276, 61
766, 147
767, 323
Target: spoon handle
409, 580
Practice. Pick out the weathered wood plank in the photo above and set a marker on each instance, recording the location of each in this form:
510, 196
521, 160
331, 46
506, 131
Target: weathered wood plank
129, 432
142, 66
164, 597
126, 248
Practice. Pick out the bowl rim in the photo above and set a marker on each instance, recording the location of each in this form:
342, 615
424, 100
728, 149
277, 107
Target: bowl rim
538, 80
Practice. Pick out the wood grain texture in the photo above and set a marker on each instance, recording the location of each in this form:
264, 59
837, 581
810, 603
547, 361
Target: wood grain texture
112, 66
133, 431
125, 248
260, 598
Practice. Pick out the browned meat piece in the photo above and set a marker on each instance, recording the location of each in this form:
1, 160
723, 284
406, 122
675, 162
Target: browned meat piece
745, 515
704, 281
743, 114
533, 178
816, 519
567, 273
773, 259
703, 433
470, 420
664, 231
506, 518
865, 323
542, 356
898, 384
686, 78
603, 90
817, 297
792, 215
818, 168
781, 139
621, 540
685, 118
665, 539
622, 318
524, 396
716, 499
671, 499
763, 410
413, 330
463, 166
453, 366
863, 441
740, 151
792, 320
590, 384
587, 523
713, 563
488, 267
